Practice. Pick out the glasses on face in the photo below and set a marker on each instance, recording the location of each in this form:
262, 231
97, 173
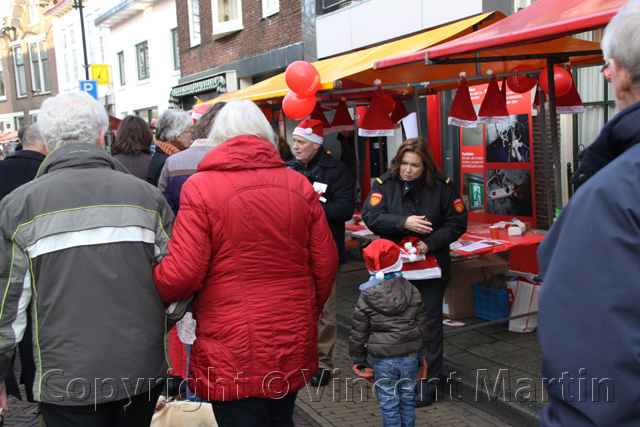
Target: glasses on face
605, 71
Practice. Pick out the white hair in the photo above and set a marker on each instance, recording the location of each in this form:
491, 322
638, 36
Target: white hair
622, 38
171, 124
241, 118
72, 117
32, 137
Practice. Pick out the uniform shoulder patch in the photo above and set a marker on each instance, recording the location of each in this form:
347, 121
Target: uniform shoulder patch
458, 205
375, 199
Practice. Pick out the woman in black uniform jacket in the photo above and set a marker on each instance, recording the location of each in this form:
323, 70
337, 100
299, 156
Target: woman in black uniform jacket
413, 199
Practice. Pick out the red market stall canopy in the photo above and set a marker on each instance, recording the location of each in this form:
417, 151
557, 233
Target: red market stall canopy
541, 27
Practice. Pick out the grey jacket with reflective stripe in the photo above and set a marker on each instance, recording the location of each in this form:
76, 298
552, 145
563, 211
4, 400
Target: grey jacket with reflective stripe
79, 244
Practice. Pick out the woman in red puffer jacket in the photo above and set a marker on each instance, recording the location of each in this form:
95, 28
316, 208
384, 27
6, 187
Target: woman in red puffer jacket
252, 242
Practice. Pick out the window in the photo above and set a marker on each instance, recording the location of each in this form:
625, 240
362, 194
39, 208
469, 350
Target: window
19, 122
270, 7
3, 91
194, 21
34, 118
142, 55
150, 115
39, 67
34, 18
21, 78
227, 17
123, 79
175, 49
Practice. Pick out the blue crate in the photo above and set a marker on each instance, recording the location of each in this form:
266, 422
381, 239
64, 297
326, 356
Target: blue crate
491, 304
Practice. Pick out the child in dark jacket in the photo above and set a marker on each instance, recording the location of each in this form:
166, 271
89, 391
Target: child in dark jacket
389, 324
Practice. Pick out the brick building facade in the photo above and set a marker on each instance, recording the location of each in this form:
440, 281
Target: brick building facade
28, 63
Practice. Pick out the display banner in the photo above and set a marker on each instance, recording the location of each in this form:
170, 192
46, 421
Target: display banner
496, 163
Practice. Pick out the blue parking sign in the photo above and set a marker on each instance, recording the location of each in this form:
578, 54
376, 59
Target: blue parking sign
90, 86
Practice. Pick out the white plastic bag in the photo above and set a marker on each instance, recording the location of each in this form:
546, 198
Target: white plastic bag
525, 300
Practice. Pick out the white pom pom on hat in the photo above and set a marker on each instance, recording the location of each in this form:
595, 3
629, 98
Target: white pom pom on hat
310, 129
408, 245
379, 275
413, 257
413, 250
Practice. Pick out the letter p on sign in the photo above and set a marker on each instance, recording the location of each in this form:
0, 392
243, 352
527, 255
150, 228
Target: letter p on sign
90, 86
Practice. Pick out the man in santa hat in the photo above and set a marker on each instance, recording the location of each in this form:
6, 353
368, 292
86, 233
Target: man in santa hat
335, 186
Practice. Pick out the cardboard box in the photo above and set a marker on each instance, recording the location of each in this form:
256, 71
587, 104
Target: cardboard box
458, 297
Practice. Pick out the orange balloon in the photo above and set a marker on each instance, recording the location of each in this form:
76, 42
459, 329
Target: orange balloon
298, 107
302, 78
561, 77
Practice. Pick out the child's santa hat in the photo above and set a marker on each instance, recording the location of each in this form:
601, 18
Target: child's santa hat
342, 120
570, 103
494, 107
382, 256
462, 112
318, 114
399, 112
376, 121
310, 129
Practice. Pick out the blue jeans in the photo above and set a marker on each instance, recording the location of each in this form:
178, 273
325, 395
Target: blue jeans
396, 389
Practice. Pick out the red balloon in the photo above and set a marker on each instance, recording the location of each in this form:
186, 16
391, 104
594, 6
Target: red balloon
561, 77
302, 78
521, 83
390, 103
298, 107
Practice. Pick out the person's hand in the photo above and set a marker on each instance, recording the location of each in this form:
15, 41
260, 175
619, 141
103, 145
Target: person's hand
4, 404
363, 369
422, 247
418, 224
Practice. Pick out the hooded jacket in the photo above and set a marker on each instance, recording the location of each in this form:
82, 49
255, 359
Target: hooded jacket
78, 243
390, 320
252, 244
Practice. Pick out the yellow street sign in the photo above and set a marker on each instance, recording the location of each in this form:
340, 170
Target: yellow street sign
100, 72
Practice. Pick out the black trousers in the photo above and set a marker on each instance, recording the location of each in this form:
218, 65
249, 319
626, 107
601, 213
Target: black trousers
432, 292
256, 412
121, 413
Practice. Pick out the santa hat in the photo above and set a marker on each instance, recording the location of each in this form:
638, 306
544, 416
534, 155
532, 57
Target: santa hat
310, 129
399, 112
197, 112
376, 121
570, 103
494, 107
536, 99
342, 120
317, 114
417, 266
382, 256
462, 112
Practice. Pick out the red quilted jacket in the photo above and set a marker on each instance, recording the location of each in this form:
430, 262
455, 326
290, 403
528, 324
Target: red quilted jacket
252, 242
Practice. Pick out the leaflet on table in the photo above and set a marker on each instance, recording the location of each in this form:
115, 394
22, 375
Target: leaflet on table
468, 246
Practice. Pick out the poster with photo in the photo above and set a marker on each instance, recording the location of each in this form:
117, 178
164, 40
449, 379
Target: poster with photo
496, 163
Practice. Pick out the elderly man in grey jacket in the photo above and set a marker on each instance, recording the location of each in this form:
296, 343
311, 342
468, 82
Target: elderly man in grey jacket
79, 243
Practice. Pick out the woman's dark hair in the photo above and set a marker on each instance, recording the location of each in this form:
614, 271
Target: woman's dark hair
203, 127
284, 150
133, 137
422, 149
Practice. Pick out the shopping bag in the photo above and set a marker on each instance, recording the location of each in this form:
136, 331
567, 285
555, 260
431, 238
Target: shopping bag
525, 300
